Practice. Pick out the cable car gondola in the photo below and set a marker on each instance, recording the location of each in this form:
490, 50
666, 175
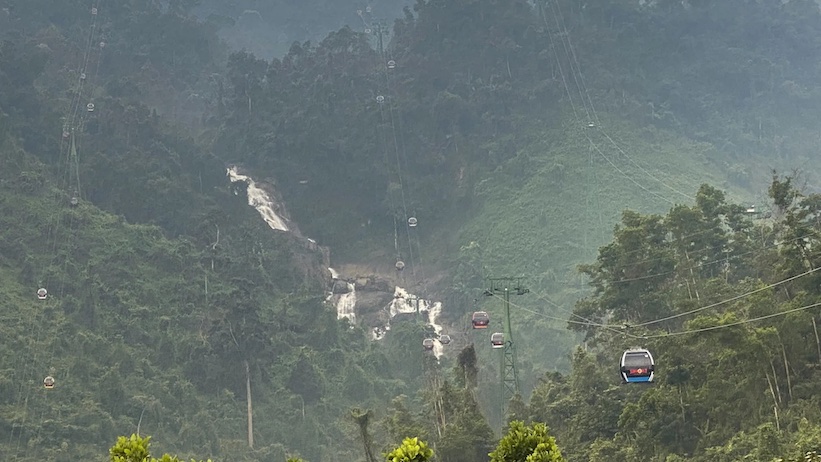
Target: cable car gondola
42, 293
391, 64
444, 339
637, 366
90, 107
412, 222
400, 265
427, 344
497, 340
480, 320
48, 382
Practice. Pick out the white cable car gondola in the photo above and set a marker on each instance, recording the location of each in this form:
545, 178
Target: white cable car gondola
391, 64
74, 201
48, 382
400, 265
480, 320
427, 344
497, 340
637, 366
412, 222
90, 107
380, 99
42, 293
444, 339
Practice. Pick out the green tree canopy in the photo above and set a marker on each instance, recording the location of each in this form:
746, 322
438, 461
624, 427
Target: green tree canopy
411, 450
136, 449
527, 443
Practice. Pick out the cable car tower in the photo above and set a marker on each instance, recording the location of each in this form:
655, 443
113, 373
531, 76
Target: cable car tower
509, 375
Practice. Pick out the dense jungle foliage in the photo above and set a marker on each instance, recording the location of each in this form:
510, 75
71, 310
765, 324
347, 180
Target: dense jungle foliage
517, 132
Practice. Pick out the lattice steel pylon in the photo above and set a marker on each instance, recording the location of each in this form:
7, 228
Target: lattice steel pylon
509, 376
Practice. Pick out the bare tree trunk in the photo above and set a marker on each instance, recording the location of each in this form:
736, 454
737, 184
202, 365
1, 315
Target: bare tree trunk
775, 381
692, 275
817, 340
250, 406
787, 371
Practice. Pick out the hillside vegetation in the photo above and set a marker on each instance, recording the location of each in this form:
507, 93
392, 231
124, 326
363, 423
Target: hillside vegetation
517, 134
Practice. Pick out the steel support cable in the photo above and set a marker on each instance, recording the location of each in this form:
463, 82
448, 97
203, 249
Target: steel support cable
384, 140
392, 91
732, 299
584, 92
676, 333
544, 298
69, 174
563, 36
686, 313
712, 262
578, 122
625, 174
401, 183
733, 324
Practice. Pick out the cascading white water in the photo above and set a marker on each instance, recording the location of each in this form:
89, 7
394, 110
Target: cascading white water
406, 303
403, 301
259, 199
346, 305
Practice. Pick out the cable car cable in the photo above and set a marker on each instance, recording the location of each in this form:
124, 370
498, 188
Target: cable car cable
733, 324
732, 299
615, 328
712, 262
576, 117
583, 91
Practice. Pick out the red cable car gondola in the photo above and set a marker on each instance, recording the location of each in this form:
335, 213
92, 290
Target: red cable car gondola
480, 320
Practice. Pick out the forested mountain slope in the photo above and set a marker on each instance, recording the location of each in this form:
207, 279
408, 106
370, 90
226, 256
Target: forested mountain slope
516, 133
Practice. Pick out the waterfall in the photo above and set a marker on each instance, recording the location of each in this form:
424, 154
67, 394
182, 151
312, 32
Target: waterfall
259, 199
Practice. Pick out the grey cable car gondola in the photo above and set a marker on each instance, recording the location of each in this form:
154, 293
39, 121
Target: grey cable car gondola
445, 339
74, 201
380, 99
90, 107
368, 9
48, 382
412, 222
42, 293
480, 320
66, 134
427, 344
368, 30
391, 64
400, 265
637, 366
82, 76
94, 11
497, 340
